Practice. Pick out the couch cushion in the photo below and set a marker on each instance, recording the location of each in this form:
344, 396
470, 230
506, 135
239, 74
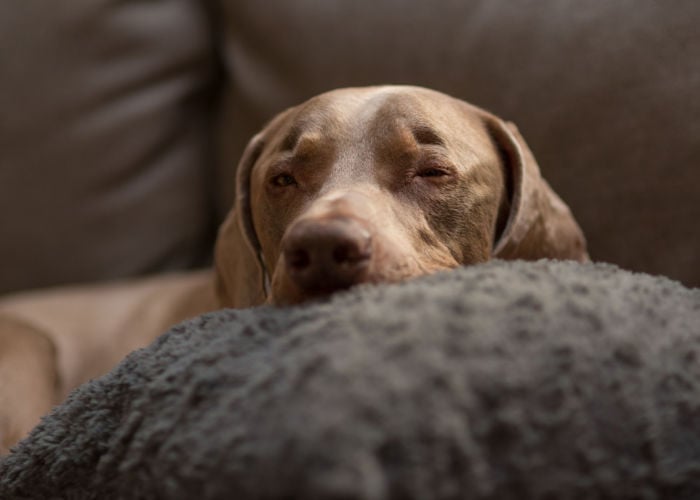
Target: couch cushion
104, 157
606, 93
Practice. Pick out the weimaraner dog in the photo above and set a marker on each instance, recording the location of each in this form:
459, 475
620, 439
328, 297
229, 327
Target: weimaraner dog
358, 185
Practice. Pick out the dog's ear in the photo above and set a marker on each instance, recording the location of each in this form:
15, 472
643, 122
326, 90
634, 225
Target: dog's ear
240, 272
538, 224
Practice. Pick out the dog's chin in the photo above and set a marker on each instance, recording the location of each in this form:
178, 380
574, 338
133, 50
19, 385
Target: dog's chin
302, 298
288, 294
284, 292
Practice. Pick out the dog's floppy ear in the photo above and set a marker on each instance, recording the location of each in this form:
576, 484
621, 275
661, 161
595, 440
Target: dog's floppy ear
539, 223
240, 272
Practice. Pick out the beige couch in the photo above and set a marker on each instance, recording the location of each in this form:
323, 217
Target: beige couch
122, 121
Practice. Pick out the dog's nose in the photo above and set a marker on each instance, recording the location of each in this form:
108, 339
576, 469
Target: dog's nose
324, 255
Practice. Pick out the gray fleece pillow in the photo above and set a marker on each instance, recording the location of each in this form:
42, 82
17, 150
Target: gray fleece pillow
509, 380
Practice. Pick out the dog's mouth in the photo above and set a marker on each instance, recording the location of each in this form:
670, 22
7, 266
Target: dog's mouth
367, 270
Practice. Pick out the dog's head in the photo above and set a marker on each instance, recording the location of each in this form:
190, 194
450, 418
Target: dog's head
380, 184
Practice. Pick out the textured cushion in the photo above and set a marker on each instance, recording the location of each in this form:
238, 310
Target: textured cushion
105, 157
505, 381
606, 93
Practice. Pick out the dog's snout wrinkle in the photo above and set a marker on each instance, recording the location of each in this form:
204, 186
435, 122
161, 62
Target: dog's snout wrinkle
323, 255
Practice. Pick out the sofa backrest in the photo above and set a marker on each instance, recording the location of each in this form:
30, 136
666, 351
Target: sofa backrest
105, 129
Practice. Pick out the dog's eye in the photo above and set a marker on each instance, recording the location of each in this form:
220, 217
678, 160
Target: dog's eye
283, 180
431, 172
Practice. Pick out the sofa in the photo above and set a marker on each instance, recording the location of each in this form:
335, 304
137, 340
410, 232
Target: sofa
122, 121
122, 124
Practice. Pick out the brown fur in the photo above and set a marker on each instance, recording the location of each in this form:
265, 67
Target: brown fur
359, 153
426, 181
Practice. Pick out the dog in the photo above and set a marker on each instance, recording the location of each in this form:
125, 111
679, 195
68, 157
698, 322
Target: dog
357, 185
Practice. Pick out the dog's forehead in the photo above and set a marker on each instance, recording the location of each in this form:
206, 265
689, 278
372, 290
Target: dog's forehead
351, 113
